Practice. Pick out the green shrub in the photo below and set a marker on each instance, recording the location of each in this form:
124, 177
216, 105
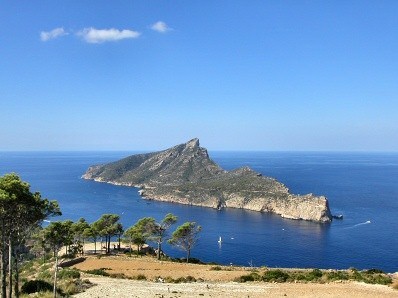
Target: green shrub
316, 273
68, 273
118, 275
372, 271
189, 278
337, 275
216, 268
253, 276
45, 275
275, 275
140, 277
100, 271
34, 286
380, 279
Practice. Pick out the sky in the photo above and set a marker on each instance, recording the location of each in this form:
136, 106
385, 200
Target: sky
239, 75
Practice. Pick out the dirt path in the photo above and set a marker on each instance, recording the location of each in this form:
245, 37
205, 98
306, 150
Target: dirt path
212, 283
109, 287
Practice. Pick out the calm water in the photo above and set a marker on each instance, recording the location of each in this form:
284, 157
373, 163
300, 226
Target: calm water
363, 187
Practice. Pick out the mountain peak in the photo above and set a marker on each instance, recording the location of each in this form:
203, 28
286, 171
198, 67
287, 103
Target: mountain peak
194, 143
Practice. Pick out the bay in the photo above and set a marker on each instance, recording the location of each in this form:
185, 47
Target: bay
361, 186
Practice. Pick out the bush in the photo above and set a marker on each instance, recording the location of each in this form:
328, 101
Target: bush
34, 286
313, 275
254, 276
45, 275
275, 275
378, 279
216, 268
337, 275
118, 275
140, 277
372, 271
68, 273
189, 278
100, 271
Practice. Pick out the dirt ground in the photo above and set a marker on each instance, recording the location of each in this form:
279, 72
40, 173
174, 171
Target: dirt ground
213, 283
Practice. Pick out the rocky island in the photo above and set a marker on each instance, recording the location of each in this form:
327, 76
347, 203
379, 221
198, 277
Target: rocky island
185, 174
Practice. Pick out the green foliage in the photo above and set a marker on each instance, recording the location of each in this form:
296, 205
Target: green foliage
372, 271
187, 279
186, 236
34, 286
108, 225
140, 277
100, 271
337, 275
216, 268
45, 275
68, 273
275, 275
253, 276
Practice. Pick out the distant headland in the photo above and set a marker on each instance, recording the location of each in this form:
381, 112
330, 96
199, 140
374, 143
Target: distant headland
185, 174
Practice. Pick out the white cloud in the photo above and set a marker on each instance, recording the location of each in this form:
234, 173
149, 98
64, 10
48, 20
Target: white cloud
57, 32
160, 27
92, 35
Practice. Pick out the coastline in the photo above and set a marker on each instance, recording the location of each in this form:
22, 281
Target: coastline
211, 203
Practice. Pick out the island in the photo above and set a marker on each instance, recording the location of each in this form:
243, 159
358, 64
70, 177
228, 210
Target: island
185, 174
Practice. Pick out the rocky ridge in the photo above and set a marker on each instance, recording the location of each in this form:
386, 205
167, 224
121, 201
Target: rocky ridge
185, 174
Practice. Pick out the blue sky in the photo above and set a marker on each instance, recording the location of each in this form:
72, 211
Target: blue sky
239, 75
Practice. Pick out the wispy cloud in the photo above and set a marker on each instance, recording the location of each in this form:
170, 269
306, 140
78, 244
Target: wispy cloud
160, 27
92, 35
57, 32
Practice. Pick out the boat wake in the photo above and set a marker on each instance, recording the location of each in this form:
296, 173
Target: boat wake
360, 224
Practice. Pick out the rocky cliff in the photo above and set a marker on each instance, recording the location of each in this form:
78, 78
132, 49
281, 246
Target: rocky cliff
185, 174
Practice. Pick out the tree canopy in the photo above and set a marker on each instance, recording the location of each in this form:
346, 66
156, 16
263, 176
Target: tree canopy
20, 212
186, 236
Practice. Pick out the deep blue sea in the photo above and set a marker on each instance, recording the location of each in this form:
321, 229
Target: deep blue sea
361, 186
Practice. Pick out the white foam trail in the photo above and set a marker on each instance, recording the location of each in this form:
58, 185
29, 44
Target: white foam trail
360, 224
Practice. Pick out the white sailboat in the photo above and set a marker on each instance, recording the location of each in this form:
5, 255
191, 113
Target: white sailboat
219, 240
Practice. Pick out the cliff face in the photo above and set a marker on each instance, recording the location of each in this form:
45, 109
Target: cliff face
185, 174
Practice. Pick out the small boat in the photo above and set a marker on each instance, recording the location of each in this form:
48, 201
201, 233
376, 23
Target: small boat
219, 240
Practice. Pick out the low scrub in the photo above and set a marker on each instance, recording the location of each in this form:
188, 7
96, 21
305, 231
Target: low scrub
216, 268
187, 279
275, 275
68, 273
253, 276
140, 277
372, 276
100, 271
34, 286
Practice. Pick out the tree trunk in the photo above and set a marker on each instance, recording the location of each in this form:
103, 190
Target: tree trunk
55, 275
10, 267
16, 283
159, 249
3, 262
95, 246
188, 255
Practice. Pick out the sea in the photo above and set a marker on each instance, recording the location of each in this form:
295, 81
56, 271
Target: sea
363, 187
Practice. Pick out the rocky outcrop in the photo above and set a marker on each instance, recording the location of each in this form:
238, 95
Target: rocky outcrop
185, 174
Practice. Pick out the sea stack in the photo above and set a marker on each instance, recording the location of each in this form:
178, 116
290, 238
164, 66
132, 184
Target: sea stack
185, 174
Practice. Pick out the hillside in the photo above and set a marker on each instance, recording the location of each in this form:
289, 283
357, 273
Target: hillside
185, 174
